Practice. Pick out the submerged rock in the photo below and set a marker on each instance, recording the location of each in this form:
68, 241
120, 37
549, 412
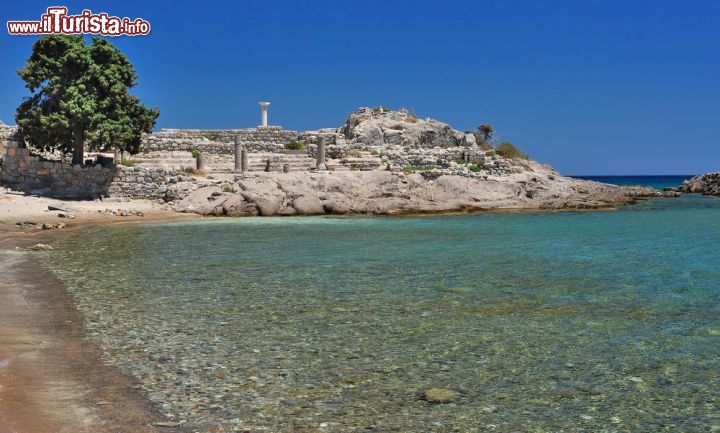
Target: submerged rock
439, 395
42, 247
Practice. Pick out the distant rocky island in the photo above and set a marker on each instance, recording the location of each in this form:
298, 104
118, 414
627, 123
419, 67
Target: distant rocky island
708, 184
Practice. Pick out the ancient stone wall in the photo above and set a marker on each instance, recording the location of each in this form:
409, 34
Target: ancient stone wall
7, 134
219, 141
22, 171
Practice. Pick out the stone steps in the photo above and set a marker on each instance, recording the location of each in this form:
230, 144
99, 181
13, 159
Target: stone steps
297, 160
362, 163
173, 160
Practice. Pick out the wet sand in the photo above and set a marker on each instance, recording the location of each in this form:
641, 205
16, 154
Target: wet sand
52, 380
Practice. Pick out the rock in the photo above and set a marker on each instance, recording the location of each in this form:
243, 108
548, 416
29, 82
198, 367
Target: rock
379, 126
267, 205
708, 184
439, 395
61, 208
25, 224
308, 205
66, 215
41, 247
236, 205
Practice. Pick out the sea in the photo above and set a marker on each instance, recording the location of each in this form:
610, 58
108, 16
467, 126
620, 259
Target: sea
603, 321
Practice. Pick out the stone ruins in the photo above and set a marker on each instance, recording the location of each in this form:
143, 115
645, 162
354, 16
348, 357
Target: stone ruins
177, 161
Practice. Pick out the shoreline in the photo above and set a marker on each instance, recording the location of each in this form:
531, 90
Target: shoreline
52, 379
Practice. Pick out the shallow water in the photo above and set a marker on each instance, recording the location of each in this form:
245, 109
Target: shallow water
605, 321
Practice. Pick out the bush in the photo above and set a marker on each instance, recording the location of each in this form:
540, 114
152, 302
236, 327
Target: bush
508, 150
414, 168
228, 188
297, 145
195, 153
483, 144
475, 168
192, 171
128, 163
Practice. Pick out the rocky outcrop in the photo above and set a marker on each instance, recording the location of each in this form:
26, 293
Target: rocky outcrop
708, 184
379, 126
390, 193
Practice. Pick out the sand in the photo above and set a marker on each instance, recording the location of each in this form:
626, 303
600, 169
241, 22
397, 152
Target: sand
51, 379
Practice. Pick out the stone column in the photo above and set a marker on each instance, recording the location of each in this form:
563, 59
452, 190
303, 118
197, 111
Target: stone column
201, 162
264, 107
244, 159
238, 154
321, 154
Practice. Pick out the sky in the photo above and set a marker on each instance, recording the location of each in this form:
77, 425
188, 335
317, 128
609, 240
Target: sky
589, 87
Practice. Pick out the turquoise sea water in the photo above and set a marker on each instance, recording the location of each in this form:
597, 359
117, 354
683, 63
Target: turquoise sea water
660, 181
543, 322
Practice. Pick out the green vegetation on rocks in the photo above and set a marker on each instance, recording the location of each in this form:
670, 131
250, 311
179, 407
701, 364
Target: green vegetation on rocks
508, 150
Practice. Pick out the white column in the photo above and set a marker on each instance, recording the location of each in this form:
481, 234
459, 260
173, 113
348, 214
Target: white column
264, 108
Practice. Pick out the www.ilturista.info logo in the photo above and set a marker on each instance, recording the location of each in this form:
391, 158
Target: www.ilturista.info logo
57, 22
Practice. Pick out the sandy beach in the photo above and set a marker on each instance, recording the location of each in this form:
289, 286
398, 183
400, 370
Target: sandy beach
51, 378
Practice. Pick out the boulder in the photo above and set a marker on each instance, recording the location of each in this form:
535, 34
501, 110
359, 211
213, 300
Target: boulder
439, 395
308, 205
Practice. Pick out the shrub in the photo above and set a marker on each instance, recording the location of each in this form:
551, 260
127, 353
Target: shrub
508, 150
228, 188
296, 145
195, 153
475, 168
128, 163
414, 168
191, 171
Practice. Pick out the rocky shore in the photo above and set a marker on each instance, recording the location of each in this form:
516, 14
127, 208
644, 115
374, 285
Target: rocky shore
708, 184
391, 193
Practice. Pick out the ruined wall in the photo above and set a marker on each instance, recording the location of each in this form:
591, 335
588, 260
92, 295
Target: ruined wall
22, 171
7, 134
219, 141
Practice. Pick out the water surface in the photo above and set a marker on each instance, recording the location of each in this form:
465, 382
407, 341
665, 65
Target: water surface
658, 181
605, 321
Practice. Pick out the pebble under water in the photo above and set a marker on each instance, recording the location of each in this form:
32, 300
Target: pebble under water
543, 322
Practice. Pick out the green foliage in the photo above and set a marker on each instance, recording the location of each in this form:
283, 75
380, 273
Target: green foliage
475, 168
485, 133
415, 168
128, 163
228, 188
296, 145
79, 96
195, 153
508, 150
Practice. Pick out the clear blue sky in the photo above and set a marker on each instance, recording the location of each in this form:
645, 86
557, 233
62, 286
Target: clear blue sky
590, 87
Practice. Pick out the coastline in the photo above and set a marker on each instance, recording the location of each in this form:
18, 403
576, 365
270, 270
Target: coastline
52, 379
55, 380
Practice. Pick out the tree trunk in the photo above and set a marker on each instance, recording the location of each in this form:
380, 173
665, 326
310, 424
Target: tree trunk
79, 147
